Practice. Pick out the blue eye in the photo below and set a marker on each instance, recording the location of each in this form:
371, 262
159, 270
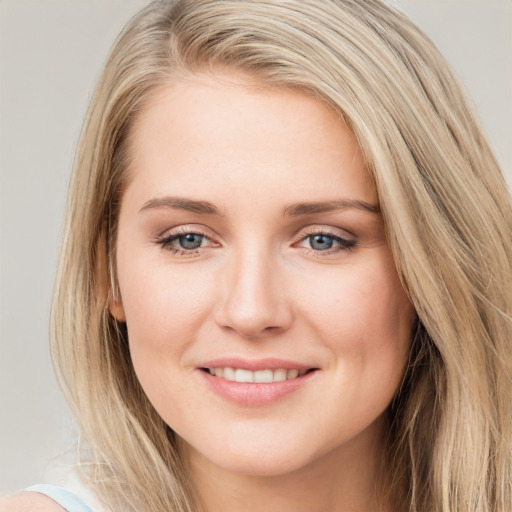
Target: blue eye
326, 242
321, 242
190, 241
184, 243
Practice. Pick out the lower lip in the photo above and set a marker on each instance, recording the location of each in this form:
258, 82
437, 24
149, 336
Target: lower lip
251, 394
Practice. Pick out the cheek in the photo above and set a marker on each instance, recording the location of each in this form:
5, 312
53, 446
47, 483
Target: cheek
363, 302
163, 308
364, 317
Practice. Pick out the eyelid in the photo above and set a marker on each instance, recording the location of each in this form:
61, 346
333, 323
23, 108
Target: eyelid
325, 230
345, 243
345, 240
166, 238
184, 230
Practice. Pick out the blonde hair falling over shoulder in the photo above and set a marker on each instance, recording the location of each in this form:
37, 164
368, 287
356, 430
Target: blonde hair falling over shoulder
446, 208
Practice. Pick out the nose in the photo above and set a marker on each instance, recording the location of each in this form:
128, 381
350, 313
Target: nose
253, 300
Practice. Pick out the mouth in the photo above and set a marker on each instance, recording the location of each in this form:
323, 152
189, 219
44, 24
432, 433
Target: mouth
256, 383
264, 376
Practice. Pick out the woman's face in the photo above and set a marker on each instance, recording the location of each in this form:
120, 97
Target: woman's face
251, 246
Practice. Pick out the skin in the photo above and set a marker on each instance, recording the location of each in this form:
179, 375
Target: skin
257, 287
29, 502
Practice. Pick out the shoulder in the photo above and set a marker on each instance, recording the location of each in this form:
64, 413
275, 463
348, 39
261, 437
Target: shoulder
29, 502
43, 498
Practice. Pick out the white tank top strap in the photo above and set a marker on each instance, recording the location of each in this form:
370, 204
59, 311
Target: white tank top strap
66, 499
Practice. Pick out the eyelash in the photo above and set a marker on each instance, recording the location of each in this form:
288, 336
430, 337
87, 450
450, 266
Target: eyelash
344, 244
165, 242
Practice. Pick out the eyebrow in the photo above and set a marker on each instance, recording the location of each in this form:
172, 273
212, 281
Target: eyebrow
298, 209
181, 203
293, 210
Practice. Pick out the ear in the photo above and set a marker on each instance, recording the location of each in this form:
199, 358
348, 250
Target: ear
104, 291
116, 309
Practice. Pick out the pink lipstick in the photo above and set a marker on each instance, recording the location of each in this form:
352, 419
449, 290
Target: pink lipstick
254, 383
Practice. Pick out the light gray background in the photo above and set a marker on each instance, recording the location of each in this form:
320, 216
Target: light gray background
50, 54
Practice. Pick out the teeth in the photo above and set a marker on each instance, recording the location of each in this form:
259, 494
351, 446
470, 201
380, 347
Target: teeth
259, 376
292, 374
229, 373
264, 376
244, 375
280, 375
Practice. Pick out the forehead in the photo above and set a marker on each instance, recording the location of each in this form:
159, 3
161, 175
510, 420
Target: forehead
222, 129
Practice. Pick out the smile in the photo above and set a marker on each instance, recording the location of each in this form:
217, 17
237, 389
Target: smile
259, 376
255, 383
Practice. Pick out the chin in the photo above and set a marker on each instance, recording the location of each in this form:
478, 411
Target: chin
260, 465
258, 459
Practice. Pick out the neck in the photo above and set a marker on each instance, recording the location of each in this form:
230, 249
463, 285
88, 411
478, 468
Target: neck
344, 479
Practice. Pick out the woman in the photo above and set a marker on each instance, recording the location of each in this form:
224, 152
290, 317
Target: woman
286, 272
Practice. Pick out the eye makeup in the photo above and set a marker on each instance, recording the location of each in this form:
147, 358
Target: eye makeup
188, 242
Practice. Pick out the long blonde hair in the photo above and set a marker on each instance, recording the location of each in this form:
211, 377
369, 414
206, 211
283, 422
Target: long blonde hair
445, 204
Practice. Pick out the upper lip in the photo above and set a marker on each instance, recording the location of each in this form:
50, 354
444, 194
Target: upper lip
268, 363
